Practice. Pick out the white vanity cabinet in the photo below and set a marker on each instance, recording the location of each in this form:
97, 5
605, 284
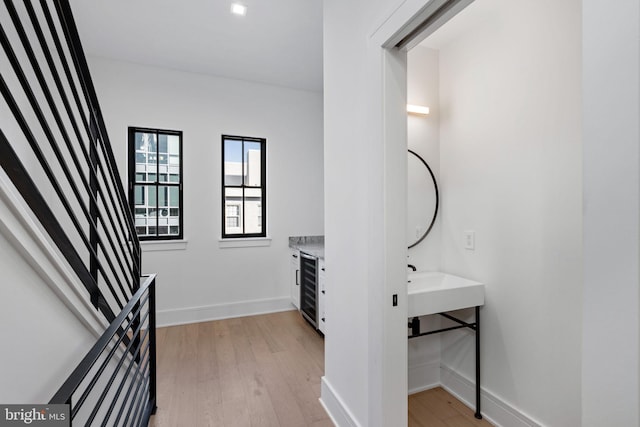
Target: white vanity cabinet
294, 277
321, 295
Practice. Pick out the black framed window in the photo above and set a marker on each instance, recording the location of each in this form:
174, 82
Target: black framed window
155, 183
244, 172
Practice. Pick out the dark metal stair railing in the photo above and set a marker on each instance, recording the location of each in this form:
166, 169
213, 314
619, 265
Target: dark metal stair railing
55, 151
90, 199
95, 377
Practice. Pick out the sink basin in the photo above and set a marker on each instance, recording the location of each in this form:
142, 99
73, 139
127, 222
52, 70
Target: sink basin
434, 292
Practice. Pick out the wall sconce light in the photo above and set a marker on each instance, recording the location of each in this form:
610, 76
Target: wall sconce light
417, 109
238, 9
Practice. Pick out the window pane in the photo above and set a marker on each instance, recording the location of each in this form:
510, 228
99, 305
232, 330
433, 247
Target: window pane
167, 214
138, 192
141, 222
155, 159
146, 142
174, 196
151, 196
253, 160
162, 144
173, 159
145, 202
173, 142
232, 162
232, 222
253, 211
233, 211
163, 193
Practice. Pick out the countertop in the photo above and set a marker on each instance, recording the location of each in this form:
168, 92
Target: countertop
312, 245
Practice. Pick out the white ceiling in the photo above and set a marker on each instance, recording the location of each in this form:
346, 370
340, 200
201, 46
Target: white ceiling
278, 42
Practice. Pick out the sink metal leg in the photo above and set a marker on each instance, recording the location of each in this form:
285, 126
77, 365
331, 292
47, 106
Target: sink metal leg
478, 415
414, 324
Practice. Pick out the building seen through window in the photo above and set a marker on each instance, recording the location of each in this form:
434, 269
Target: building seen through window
244, 186
155, 182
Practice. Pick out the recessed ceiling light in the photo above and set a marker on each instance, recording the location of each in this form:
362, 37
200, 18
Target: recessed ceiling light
238, 9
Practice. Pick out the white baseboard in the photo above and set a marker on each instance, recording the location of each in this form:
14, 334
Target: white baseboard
182, 316
335, 407
494, 409
424, 376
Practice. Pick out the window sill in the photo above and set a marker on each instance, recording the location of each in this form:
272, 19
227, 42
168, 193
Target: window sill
244, 242
163, 245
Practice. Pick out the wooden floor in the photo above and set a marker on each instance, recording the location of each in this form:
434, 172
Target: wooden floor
261, 371
251, 371
437, 408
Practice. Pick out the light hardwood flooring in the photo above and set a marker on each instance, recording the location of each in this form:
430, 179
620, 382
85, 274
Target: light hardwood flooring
251, 371
437, 408
261, 371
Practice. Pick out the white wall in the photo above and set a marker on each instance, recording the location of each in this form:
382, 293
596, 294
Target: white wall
200, 280
611, 320
365, 380
423, 137
347, 239
42, 340
510, 145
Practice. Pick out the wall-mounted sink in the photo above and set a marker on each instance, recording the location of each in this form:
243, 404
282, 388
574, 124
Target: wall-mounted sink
434, 292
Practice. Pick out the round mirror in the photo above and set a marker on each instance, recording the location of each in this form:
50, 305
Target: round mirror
423, 199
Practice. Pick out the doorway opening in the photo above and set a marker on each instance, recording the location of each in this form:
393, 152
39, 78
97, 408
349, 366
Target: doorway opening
411, 76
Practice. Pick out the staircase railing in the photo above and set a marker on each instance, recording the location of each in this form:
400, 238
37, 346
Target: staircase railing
96, 389
55, 151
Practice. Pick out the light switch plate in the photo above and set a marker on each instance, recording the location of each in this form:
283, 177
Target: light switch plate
470, 240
